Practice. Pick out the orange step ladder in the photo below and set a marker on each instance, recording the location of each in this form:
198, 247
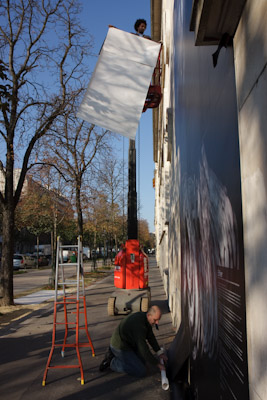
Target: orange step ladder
78, 302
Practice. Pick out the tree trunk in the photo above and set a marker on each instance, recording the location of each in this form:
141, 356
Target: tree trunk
54, 249
104, 250
7, 255
79, 210
94, 256
116, 243
37, 250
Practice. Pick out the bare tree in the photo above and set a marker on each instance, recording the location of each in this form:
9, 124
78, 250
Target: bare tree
111, 179
76, 145
42, 51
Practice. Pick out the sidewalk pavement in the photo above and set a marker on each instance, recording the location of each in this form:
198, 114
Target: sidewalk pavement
37, 297
25, 345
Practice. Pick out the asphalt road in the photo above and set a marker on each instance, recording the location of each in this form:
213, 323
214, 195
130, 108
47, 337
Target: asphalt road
25, 345
31, 279
38, 278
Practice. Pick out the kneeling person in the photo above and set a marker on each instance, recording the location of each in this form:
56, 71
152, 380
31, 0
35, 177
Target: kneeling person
129, 351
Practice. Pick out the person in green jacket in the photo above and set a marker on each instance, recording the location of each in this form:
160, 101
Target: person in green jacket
129, 351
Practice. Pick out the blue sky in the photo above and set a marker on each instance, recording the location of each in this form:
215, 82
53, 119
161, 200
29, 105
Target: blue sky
96, 17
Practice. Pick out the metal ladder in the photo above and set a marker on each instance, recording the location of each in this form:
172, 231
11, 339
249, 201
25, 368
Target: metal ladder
76, 301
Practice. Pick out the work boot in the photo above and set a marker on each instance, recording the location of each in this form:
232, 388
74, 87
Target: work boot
107, 360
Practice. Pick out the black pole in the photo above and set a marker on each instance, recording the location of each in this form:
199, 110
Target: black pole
132, 226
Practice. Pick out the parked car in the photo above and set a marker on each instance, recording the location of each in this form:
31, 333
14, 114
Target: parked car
23, 261
18, 261
29, 261
42, 261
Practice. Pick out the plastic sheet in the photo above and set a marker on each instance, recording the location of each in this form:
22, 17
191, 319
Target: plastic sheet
117, 91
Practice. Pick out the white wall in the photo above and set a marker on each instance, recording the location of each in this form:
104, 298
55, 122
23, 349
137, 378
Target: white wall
250, 50
166, 212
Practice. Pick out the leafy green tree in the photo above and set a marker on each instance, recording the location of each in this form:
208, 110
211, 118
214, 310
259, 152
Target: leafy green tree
44, 211
34, 212
143, 233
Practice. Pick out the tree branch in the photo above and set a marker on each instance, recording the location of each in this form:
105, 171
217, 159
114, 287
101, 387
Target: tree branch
50, 165
3, 135
41, 132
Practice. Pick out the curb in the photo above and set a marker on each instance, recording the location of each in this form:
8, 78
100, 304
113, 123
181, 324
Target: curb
36, 307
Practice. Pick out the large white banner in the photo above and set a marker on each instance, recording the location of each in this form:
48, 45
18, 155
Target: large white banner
117, 91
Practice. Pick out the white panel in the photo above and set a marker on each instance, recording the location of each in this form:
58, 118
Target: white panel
117, 91
132, 47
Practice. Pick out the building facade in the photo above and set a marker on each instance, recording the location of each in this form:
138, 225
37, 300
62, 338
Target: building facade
210, 189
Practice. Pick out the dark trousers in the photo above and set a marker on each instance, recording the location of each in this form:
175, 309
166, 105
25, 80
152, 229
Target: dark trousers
127, 361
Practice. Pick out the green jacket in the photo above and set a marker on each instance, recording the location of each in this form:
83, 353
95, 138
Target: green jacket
133, 333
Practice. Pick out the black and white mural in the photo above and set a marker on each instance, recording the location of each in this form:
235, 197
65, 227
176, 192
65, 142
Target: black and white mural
212, 254
212, 288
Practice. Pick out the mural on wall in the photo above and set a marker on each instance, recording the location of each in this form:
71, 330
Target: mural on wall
212, 292
211, 230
